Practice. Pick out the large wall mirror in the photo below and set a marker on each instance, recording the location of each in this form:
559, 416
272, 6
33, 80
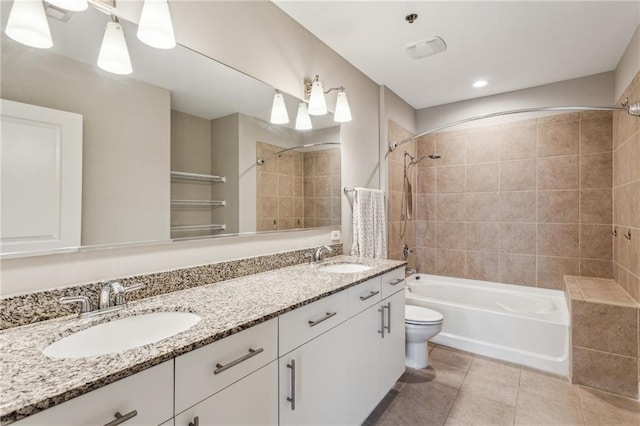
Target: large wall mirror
169, 151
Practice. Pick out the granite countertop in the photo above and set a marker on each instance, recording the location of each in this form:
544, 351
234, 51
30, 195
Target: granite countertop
31, 382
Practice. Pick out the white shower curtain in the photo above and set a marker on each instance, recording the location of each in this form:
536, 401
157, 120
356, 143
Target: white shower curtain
369, 224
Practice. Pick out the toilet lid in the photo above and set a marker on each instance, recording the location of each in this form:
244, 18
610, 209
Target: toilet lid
420, 314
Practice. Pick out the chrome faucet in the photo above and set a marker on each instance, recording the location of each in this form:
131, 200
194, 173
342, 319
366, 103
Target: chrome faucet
104, 300
318, 254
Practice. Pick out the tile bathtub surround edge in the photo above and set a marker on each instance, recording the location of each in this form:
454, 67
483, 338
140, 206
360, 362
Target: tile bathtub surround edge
32, 382
39, 306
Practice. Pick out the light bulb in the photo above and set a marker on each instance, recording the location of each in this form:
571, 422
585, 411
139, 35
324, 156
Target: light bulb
279, 113
73, 5
27, 24
303, 121
155, 28
317, 103
114, 55
343, 112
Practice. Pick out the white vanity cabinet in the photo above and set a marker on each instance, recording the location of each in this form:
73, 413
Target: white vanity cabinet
146, 398
393, 343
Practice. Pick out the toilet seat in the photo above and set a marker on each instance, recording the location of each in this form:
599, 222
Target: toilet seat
419, 315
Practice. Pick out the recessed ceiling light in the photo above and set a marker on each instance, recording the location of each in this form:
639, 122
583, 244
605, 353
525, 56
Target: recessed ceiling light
480, 83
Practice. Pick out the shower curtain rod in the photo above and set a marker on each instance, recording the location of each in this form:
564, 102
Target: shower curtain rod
260, 161
632, 109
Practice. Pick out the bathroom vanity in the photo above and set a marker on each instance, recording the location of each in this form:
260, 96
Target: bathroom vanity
296, 345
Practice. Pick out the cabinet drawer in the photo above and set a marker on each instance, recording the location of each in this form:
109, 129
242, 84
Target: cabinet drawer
363, 295
392, 282
305, 323
201, 373
148, 393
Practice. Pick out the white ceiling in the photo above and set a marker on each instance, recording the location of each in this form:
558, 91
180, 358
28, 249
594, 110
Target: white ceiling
513, 44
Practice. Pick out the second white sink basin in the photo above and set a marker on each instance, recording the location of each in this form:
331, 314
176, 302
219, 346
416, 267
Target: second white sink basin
121, 335
344, 268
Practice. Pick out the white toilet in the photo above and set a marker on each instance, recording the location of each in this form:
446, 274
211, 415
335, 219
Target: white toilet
421, 324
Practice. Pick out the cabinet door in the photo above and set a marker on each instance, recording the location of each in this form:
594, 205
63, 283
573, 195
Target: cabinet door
364, 358
250, 401
392, 365
313, 381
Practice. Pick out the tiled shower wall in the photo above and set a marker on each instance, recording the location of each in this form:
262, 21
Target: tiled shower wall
523, 203
626, 195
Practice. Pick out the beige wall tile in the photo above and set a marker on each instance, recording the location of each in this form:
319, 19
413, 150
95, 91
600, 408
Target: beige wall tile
518, 143
396, 175
558, 139
394, 206
285, 207
285, 164
450, 262
450, 207
633, 263
425, 145
558, 172
518, 269
483, 236
518, 175
558, 240
426, 180
606, 328
551, 271
558, 206
269, 207
450, 235
424, 207
308, 187
595, 242
323, 186
483, 265
426, 260
322, 165
483, 177
518, 206
596, 170
608, 372
518, 238
425, 234
596, 206
596, 135
268, 185
451, 147
450, 179
285, 186
483, 146
323, 208
558, 118
596, 268
482, 206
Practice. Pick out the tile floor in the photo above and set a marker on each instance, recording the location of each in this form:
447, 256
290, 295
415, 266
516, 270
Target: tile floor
459, 389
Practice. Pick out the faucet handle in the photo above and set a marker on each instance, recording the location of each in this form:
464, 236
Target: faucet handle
121, 291
85, 302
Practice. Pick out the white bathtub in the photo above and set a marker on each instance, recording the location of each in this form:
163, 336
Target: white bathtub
523, 325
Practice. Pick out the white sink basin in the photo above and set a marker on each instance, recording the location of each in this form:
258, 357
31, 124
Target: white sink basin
121, 335
344, 268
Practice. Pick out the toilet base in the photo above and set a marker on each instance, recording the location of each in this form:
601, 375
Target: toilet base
416, 355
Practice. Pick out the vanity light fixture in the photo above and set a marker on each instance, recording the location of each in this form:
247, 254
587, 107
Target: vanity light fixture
27, 24
314, 92
72, 5
114, 55
303, 120
155, 28
279, 113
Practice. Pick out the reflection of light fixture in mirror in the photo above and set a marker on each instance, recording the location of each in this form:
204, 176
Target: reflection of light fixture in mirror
279, 113
303, 121
155, 27
343, 112
73, 5
27, 24
317, 103
114, 55
314, 92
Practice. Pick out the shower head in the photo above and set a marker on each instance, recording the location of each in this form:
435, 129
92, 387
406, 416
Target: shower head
434, 156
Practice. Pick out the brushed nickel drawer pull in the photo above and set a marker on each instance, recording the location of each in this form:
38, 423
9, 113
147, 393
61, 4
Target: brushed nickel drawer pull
292, 398
252, 352
371, 294
381, 331
388, 327
397, 281
324, 318
122, 418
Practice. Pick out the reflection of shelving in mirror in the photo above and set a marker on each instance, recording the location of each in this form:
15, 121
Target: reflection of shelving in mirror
198, 176
206, 203
192, 228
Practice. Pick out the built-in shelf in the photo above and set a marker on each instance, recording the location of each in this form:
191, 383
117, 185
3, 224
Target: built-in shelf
198, 177
191, 228
205, 203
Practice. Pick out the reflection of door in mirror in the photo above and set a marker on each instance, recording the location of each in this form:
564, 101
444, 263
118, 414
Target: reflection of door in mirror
41, 200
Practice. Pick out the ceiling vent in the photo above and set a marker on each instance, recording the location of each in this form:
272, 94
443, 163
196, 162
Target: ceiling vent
57, 13
427, 47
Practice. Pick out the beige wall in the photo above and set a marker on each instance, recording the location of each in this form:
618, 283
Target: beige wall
225, 156
125, 187
628, 66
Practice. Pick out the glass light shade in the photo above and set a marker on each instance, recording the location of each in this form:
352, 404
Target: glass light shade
155, 28
343, 112
279, 113
317, 103
303, 120
114, 55
73, 5
27, 24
